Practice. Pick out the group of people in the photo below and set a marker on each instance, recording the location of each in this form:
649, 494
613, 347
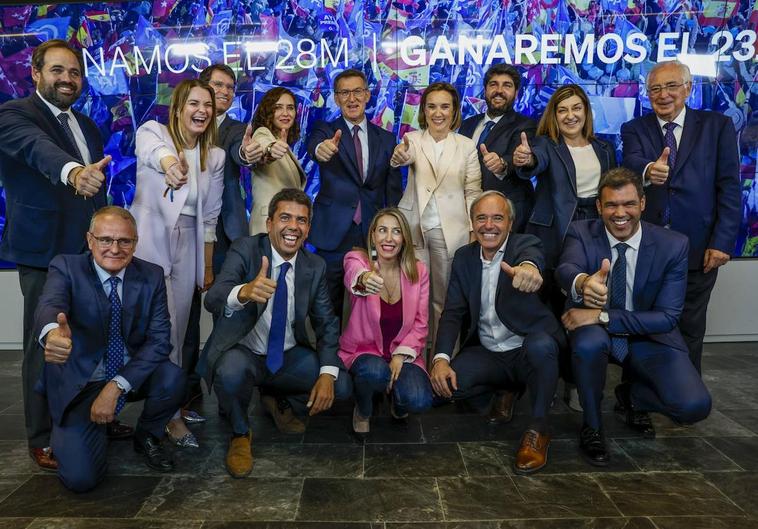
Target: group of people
470, 284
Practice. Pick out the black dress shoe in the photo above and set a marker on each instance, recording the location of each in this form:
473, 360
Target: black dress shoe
639, 421
155, 456
592, 444
117, 430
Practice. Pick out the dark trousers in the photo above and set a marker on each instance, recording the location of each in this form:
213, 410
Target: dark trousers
80, 445
191, 349
662, 378
36, 413
535, 363
411, 392
692, 322
334, 270
240, 370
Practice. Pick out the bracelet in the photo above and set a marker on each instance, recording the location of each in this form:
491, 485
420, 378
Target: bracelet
268, 148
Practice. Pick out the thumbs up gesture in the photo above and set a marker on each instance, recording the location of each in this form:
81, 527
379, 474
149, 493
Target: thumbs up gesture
87, 181
58, 342
594, 290
658, 171
522, 156
525, 277
401, 155
251, 150
492, 160
261, 288
177, 172
277, 149
328, 148
372, 281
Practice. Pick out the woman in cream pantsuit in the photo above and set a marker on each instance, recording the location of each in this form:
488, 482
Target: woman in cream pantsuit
444, 178
180, 180
276, 129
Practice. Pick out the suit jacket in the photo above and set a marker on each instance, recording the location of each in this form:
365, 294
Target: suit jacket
233, 218
243, 262
455, 182
660, 278
556, 199
270, 178
522, 313
157, 214
44, 217
503, 139
363, 334
341, 186
703, 189
73, 287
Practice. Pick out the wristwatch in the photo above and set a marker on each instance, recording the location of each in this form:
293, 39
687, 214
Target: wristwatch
603, 317
120, 386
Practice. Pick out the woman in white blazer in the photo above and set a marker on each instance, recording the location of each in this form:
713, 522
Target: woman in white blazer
180, 180
444, 178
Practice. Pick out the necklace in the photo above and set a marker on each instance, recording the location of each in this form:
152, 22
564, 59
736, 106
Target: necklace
392, 294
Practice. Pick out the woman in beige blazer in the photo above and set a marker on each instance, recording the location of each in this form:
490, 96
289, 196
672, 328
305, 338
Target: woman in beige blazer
444, 178
276, 129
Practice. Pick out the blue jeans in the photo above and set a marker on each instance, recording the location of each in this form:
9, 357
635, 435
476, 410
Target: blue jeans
412, 391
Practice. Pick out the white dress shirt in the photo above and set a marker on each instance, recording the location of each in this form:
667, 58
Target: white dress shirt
81, 142
679, 120
430, 218
363, 137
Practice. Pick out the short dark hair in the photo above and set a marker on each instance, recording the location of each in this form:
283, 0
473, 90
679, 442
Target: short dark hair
290, 194
38, 56
503, 69
350, 72
619, 177
205, 75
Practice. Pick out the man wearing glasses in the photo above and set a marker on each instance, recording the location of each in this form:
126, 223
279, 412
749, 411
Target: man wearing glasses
103, 322
355, 175
690, 166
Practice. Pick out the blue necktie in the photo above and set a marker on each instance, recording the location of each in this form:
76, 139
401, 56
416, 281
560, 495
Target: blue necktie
275, 353
619, 344
114, 356
670, 141
63, 118
485, 132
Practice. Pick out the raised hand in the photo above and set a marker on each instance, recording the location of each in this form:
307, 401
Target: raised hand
525, 277
87, 181
58, 342
492, 160
658, 172
276, 150
260, 289
328, 148
522, 156
401, 154
252, 151
177, 173
595, 289
372, 281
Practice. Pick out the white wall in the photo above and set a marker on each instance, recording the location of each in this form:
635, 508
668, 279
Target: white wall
732, 312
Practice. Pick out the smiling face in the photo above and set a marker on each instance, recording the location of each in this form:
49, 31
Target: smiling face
571, 115
284, 113
223, 87
492, 224
353, 106
197, 113
499, 94
288, 228
674, 91
60, 80
621, 210
387, 238
112, 258
438, 112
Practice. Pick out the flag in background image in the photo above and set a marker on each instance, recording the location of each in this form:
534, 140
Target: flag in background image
50, 28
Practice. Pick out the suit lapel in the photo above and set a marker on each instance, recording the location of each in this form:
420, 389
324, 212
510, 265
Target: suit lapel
223, 130
475, 285
645, 259
688, 139
373, 140
427, 149
654, 133
602, 244
56, 129
498, 131
568, 162
303, 280
347, 148
448, 159
129, 296
103, 305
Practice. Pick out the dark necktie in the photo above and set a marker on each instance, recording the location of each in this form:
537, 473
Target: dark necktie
485, 132
359, 159
670, 141
619, 344
114, 356
63, 118
275, 353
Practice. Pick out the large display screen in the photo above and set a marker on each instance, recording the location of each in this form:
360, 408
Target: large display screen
135, 52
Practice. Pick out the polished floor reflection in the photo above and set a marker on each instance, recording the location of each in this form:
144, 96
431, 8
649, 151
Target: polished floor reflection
447, 469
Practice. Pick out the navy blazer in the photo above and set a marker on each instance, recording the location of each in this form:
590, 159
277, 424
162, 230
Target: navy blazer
503, 139
704, 187
233, 216
73, 287
660, 278
556, 199
521, 312
340, 182
44, 217
243, 262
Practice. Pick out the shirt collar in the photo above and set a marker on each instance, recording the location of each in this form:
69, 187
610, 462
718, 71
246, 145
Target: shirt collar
220, 119
55, 110
104, 275
498, 254
277, 260
496, 119
679, 120
350, 125
633, 241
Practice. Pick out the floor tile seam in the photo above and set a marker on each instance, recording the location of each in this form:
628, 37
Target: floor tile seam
463, 460
724, 494
21, 484
628, 456
607, 495
165, 479
299, 500
723, 454
440, 501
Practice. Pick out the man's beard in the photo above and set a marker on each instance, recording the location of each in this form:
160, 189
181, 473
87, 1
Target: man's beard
51, 94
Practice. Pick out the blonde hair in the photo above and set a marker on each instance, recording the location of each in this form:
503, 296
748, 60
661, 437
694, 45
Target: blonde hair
407, 256
179, 98
548, 125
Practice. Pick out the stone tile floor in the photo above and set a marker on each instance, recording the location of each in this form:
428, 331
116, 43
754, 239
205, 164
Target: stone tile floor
447, 469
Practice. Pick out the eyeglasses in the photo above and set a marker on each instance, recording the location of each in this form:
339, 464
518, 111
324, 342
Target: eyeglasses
668, 87
106, 242
220, 85
345, 94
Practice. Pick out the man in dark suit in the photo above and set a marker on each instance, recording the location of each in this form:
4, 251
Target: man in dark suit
690, 166
51, 167
631, 318
508, 336
497, 133
103, 321
355, 176
267, 288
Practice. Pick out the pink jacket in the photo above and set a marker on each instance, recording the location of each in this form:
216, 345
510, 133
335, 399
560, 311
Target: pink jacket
363, 334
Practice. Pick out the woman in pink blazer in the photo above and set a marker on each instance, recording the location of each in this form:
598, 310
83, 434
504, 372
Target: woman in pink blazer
180, 180
383, 343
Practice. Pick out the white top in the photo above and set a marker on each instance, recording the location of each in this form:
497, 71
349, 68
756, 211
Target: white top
193, 161
587, 170
430, 218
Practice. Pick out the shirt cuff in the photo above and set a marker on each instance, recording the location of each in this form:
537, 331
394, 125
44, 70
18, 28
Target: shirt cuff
361, 292
575, 296
164, 152
408, 352
233, 304
70, 166
210, 234
46, 329
122, 382
330, 370
244, 158
440, 356
645, 179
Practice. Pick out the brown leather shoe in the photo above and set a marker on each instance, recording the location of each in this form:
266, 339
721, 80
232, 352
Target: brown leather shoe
117, 430
284, 418
502, 407
532, 454
44, 458
239, 456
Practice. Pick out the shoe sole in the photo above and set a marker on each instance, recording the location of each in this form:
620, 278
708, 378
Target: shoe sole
236, 475
524, 471
141, 451
594, 462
